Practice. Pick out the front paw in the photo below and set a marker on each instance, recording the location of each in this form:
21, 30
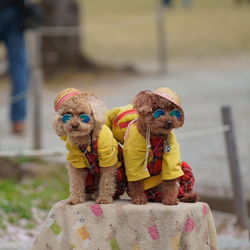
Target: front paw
104, 200
140, 200
191, 198
76, 199
170, 201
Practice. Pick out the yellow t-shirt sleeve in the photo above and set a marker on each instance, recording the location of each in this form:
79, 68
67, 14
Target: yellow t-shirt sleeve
171, 165
107, 148
75, 156
134, 152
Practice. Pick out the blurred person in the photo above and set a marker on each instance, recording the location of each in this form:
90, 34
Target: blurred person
167, 3
12, 35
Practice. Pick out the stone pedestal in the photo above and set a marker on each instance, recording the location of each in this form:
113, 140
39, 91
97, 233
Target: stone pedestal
124, 226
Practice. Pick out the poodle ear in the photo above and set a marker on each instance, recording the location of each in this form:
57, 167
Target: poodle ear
143, 102
58, 126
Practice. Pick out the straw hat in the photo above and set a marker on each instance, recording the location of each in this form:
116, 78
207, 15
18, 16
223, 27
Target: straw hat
65, 95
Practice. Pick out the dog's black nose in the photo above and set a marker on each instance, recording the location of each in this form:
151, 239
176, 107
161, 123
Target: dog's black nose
75, 126
169, 124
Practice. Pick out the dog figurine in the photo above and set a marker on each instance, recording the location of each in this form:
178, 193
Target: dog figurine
92, 150
151, 152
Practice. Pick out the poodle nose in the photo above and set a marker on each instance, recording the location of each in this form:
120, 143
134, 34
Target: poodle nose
75, 126
169, 124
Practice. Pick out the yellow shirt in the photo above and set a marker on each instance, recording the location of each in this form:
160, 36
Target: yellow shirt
134, 152
107, 151
117, 120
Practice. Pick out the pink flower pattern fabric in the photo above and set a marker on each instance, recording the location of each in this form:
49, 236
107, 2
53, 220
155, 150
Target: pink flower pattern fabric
189, 225
205, 209
153, 231
96, 209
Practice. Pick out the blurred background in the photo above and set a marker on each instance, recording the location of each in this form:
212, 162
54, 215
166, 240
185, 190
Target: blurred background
114, 48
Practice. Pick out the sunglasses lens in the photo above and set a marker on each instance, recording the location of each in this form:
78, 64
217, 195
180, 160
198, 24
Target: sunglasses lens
66, 118
85, 118
175, 113
158, 113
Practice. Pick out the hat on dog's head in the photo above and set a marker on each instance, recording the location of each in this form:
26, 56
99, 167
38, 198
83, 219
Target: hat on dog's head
168, 94
65, 95
171, 96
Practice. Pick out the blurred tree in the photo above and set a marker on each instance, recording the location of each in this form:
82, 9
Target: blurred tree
61, 51
241, 1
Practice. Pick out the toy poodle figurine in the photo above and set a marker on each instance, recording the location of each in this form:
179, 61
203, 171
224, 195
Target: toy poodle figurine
94, 170
151, 152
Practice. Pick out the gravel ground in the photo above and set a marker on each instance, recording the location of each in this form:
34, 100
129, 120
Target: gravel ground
230, 236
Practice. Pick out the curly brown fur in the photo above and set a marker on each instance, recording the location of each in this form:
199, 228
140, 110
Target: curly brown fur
77, 185
81, 134
82, 103
136, 192
145, 103
106, 191
170, 192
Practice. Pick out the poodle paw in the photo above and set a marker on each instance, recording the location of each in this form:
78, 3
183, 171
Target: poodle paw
140, 200
170, 201
76, 199
104, 200
191, 198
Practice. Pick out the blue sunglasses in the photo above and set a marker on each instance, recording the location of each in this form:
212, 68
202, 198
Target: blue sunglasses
83, 117
160, 112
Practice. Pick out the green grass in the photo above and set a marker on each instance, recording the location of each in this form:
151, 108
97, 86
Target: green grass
125, 30
28, 159
17, 199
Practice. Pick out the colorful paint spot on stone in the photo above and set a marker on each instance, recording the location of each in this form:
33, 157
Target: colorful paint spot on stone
175, 242
153, 231
114, 244
204, 209
136, 247
56, 228
96, 209
83, 233
189, 225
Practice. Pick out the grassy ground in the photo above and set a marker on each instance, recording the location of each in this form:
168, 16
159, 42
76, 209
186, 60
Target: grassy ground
25, 202
119, 30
